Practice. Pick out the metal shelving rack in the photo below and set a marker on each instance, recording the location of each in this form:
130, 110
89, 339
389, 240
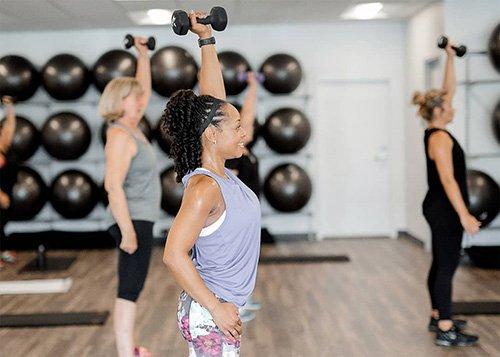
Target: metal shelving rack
468, 84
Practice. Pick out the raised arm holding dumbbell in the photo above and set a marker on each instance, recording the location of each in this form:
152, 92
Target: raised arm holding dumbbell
449, 80
210, 76
143, 72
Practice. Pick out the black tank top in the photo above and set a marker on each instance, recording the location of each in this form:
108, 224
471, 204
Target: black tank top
248, 171
436, 192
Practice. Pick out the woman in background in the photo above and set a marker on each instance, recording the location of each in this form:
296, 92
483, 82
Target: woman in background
133, 186
445, 205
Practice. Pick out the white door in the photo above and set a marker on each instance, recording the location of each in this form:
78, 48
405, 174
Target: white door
353, 159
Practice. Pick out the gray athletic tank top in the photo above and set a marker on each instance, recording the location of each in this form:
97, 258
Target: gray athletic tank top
142, 183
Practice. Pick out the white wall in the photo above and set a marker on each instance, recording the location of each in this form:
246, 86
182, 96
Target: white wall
470, 23
340, 50
422, 32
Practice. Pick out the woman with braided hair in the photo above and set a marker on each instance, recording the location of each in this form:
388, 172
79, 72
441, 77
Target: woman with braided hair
219, 218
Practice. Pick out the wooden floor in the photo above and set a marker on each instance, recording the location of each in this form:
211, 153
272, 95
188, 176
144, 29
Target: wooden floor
376, 305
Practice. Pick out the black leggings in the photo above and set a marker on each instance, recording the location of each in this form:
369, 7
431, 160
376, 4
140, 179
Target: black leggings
447, 234
133, 268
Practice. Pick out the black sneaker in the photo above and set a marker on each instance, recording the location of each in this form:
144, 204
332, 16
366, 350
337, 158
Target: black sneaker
433, 324
453, 337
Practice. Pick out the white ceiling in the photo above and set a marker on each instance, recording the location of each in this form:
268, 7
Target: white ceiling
19, 15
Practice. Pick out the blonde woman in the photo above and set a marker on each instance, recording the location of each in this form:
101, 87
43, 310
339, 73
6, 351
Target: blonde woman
445, 205
133, 186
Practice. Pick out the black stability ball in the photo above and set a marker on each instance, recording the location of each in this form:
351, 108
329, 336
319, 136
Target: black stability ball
282, 73
65, 77
113, 64
288, 188
173, 68
171, 196
103, 195
257, 128
286, 130
164, 141
496, 121
486, 257
231, 64
74, 194
144, 125
29, 195
66, 136
484, 196
494, 48
26, 140
18, 78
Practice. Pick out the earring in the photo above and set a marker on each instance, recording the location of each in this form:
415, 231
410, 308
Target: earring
214, 142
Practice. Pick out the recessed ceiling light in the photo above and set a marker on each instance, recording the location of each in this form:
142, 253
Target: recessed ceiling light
364, 11
151, 17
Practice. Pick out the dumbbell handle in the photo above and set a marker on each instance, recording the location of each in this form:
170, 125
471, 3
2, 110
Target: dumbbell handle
243, 77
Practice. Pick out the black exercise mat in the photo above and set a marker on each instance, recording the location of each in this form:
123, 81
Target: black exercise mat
304, 259
51, 264
476, 308
54, 319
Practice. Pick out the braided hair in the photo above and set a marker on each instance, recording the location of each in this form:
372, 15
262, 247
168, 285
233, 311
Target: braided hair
181, 123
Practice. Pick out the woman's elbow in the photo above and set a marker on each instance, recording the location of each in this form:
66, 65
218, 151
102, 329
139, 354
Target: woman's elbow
111, 186
169, 258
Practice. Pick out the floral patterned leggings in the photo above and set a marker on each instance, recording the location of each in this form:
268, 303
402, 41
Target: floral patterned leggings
200, 331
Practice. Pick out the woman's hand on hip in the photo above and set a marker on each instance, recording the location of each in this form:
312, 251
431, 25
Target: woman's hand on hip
227, 317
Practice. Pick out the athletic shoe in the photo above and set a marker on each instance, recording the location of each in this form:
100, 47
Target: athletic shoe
453, 337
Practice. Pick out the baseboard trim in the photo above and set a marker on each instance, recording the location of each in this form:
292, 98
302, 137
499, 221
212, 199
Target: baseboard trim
411, 238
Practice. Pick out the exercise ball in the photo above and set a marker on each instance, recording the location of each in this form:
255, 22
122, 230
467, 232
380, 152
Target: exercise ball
103, 195
26, 140
232, 63
65, 77
494, 48
257, 128
486, 257
164, 141
286, 130
173, 68
74, 194
484, 196
496, 121
66, 136
29, 195
171, 192
113, 64
288, 188
282, 73
18, 78
144, 126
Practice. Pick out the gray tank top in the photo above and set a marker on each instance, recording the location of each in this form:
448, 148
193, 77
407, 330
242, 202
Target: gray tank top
142, 183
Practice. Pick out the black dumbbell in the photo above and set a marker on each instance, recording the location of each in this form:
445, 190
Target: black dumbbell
460, 50
217, 19
128, 42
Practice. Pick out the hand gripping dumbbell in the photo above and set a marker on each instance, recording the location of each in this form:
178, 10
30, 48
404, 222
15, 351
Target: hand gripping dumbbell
128, 42
460, 50
217, 19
